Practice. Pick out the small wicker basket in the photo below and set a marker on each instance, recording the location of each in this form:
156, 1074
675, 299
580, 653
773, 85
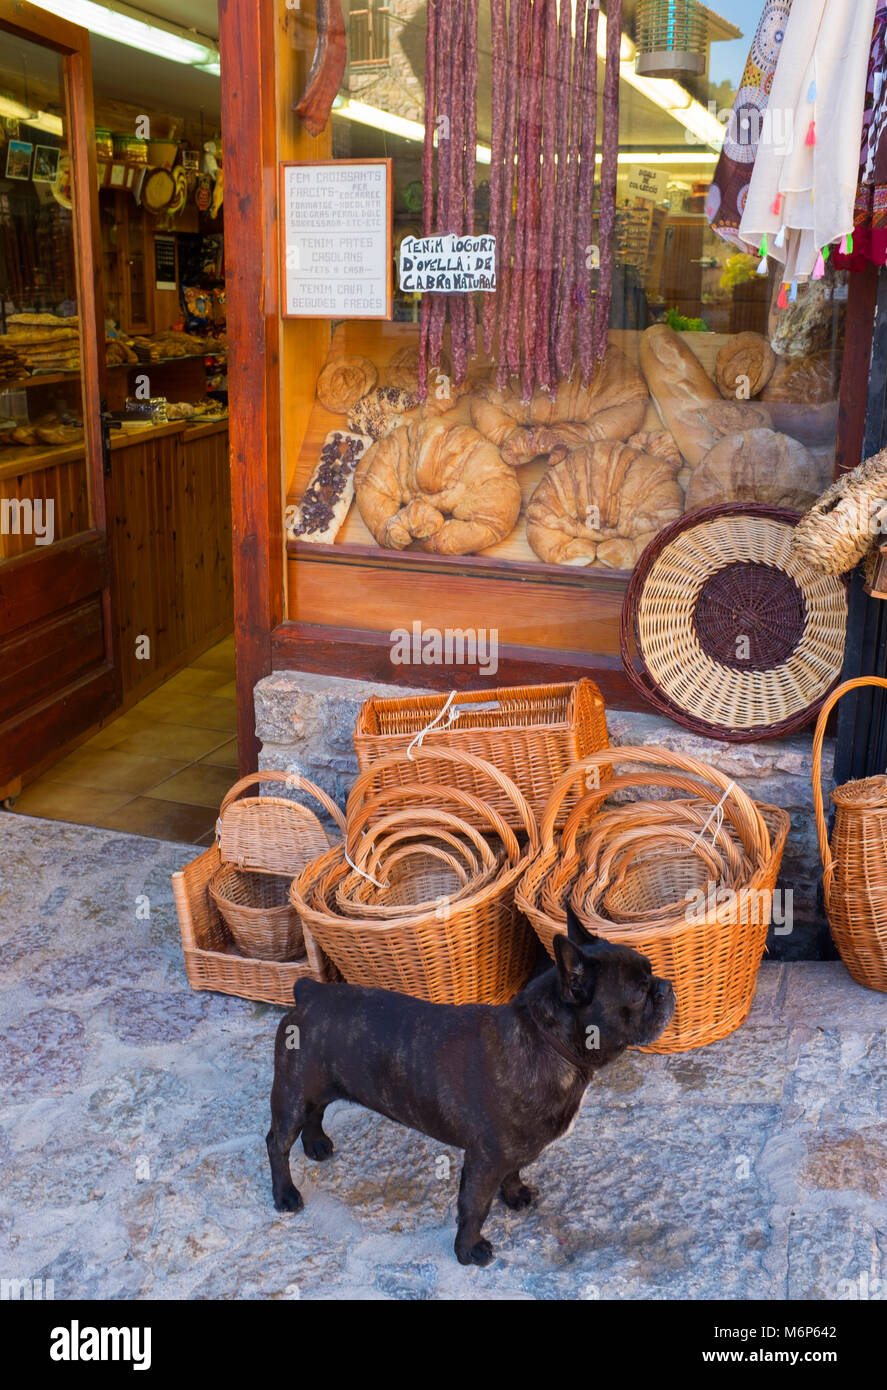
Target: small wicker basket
844, 523
532, 733
240, 933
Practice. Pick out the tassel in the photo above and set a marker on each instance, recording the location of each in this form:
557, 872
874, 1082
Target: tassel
777, 201
763, 267
782, 301
780, 237
762, 250
811, 93
794, 292
811, 134
849, 240
826, 252
819, 268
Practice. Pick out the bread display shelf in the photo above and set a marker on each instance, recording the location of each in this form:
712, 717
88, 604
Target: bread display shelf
20, 383
379, 342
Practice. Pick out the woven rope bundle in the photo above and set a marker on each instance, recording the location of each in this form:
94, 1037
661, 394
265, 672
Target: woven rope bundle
841, 527
688, 882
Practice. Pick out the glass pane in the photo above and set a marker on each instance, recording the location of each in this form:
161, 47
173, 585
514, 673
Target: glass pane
44, 492
598, 472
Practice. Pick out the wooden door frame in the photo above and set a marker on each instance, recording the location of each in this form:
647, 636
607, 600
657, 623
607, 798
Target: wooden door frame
98, 691
247, 41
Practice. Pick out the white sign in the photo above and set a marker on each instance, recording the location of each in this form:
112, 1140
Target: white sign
336, 242
643, 182
449, 264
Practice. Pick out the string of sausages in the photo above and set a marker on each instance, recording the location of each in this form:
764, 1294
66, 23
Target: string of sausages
551, 309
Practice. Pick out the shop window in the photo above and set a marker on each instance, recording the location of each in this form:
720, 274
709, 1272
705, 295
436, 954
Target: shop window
368, 33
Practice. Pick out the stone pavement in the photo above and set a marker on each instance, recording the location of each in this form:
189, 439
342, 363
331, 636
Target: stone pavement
132, 1156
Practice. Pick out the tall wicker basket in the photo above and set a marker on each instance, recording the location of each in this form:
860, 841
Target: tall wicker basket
854, 878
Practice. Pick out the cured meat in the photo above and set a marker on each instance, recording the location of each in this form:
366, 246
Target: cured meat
587, 144
504, 294
532, 232
564, 46
327, 69
545, 371
428, 186
498, 88
567, 310
609, 171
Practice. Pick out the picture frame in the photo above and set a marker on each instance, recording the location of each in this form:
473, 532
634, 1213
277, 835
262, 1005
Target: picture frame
46, 163
18, 160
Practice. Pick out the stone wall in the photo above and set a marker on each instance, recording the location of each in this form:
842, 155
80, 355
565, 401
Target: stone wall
305, 724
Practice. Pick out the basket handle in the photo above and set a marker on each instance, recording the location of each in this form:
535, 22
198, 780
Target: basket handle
293, 780
825, 853
450, 755
418, 824
745, 808
359, 826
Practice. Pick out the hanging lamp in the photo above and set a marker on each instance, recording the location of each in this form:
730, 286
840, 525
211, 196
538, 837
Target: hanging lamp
672, 38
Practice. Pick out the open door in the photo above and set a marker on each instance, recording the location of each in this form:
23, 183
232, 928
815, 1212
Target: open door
57, 669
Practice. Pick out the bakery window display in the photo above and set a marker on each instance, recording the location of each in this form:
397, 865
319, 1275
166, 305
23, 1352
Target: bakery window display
617, 376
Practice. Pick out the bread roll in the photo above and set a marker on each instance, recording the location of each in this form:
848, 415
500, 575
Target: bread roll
757, 466
744, 366
680, 386
811, 380
343, 381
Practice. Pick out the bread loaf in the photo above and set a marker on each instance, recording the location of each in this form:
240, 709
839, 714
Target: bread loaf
757, 466
680, 387
343, 381
744, 366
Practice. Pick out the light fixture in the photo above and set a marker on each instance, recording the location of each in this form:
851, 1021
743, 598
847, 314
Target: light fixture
672, 38
13, 110
131, 27
701, 124
378, 119
45, 120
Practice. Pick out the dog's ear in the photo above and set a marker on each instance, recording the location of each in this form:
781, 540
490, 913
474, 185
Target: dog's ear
576, 931
576, 973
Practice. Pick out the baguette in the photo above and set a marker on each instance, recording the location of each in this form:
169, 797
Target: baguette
327, 499
681, 388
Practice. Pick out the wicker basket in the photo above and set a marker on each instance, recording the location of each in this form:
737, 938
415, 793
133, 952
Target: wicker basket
531, 733
260, 841
470, 949
839, 528
854, 876
710, 956
727, 631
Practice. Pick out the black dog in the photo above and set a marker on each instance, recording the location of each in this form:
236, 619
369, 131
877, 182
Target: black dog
499, 1082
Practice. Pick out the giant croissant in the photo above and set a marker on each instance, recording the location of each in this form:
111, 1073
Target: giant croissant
444, 486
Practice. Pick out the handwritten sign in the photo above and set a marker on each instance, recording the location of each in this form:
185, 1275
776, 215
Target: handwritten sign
643, 182
336, 242
448, 264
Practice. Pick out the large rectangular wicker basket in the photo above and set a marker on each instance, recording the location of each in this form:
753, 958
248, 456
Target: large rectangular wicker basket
212, 960
532, 733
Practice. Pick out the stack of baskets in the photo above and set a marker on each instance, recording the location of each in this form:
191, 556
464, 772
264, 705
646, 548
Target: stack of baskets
419, 898
688, 882
240, 933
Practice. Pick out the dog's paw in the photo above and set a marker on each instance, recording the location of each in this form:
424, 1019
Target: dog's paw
479, 1254
318, 1149
289, 1200
519, 1198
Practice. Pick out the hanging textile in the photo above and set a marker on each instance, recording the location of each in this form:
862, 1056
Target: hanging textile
748, 122
802, 192
870, 213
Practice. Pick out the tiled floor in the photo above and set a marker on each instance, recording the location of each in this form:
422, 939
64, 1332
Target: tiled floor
161, 769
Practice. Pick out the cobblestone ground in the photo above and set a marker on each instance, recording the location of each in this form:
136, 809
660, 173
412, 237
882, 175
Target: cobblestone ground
132, 1157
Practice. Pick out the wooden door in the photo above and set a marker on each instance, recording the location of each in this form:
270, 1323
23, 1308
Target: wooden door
57, 669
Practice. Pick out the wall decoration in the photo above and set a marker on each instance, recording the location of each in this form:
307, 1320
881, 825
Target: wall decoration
46, 163
18, 159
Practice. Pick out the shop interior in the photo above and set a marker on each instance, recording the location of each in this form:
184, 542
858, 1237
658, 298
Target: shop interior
155, 751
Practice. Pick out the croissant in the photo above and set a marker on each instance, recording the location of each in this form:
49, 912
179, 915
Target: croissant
602, 504
444, 486
612, 406
758, 466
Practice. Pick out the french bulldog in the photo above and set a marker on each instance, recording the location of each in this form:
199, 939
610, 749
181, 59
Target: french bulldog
500, 1081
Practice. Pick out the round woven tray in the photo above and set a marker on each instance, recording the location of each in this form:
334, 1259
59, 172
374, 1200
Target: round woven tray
727, 631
